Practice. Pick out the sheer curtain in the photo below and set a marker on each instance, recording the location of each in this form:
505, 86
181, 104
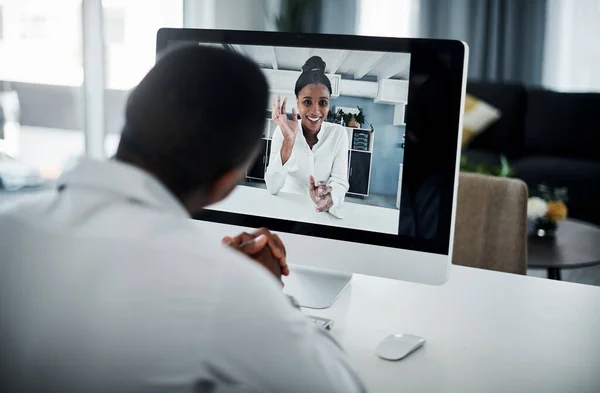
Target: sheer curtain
572, 47
505, 37
388, 18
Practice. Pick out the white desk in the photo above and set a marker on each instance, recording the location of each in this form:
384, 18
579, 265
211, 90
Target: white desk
297, 207
485, 331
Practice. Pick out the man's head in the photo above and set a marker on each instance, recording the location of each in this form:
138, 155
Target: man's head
195, 121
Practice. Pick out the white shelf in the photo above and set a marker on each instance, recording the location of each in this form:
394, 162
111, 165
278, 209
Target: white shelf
269, 129
399, 114
350, 138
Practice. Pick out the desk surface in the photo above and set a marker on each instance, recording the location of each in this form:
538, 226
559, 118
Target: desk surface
486, 332
297, 207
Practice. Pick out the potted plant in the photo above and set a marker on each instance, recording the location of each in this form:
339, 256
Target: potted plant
504, 170
545, 208
359, 117
349, 120
355, 120
335, 116
294, 16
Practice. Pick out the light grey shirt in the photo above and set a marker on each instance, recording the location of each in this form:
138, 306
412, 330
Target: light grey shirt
106, 285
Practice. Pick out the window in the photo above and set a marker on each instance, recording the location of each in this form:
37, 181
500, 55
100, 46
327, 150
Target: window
389, 18
33, 26
41, 74
114, 25
41, 42
571, 51
1, 23
130, 28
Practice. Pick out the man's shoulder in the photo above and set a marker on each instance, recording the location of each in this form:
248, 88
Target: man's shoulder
25, 204
184, 242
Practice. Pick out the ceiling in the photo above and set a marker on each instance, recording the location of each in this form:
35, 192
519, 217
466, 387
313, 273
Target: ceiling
359, 64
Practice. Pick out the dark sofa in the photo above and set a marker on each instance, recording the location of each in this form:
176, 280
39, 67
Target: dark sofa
548, 137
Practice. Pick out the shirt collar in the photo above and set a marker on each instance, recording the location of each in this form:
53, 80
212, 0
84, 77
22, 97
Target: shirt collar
122, 179
320, 135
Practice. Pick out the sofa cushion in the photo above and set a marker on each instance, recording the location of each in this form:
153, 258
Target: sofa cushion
505, 136
579, 176
563, 124
478, 117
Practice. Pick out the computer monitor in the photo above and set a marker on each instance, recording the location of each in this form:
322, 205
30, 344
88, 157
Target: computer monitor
388, 146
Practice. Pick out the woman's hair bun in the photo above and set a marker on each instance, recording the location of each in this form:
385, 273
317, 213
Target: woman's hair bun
313, 71
315, 63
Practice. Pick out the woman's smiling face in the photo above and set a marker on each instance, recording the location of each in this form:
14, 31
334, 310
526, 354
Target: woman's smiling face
313, 105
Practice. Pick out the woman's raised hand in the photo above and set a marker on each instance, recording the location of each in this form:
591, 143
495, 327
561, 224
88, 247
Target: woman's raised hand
289, 128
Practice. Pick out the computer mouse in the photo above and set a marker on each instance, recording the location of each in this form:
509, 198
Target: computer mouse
398, 346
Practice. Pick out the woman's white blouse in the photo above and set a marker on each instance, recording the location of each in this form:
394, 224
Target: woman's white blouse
327, 161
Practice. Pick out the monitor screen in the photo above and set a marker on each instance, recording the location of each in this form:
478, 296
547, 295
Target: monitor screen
360, 139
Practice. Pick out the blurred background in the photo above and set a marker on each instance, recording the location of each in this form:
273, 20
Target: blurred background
66, 65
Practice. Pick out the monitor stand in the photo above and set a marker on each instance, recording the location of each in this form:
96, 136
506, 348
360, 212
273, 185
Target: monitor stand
315, 288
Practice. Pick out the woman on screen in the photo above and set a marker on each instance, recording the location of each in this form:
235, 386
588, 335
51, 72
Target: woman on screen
309, 155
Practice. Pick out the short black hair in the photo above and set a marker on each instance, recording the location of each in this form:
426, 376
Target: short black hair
313, 71
198, 113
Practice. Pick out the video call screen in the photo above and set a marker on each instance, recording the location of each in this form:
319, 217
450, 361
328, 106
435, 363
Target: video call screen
338, 161
358, 145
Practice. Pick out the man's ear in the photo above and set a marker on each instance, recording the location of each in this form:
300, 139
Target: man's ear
222, 186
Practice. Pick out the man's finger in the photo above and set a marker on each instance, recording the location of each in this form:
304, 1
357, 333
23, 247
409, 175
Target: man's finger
253, 245
311, 181
237, 240
277, 239
276, 247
